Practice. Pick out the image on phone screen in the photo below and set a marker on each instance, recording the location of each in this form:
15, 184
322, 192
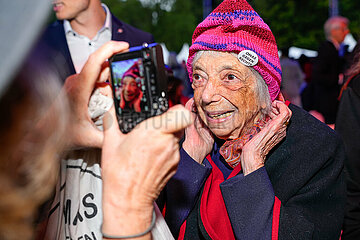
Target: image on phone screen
128, 83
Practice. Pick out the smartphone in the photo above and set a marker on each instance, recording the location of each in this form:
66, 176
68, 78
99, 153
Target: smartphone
139, 84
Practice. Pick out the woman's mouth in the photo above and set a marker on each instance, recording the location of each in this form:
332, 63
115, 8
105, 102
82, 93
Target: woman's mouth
219, 116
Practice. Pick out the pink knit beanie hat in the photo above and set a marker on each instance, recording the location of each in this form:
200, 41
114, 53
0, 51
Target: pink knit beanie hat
234, 26
133, 72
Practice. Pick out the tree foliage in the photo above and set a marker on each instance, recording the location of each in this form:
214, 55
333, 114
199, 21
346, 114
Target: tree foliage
293, 22
300, 22
350, 9
174, 27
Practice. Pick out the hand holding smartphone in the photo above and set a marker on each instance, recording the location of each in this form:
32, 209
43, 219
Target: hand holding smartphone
139, 84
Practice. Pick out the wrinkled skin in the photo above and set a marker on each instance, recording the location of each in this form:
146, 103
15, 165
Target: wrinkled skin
226, 104
224, 94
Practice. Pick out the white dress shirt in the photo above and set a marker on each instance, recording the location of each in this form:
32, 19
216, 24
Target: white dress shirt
81, 46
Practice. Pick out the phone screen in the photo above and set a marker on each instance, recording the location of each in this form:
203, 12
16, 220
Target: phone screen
139, 84
129, 85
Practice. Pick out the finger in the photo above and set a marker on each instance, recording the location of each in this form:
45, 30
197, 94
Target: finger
174, 120
272, 115
111, 126
97, 59
190, 105
69, 85
284, 113
104, 75
274, 108
122, 100
282, 107
271, 129
95, 137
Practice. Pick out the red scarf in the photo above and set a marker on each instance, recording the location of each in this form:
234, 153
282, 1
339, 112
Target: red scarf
231, 150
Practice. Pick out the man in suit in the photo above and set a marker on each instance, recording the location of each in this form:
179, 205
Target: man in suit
82, 27
328, 69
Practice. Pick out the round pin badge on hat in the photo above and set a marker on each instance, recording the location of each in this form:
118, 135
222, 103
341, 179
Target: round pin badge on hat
248, 58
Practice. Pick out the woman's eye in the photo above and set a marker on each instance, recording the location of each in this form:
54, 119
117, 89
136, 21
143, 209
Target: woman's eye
231, 77
196, 77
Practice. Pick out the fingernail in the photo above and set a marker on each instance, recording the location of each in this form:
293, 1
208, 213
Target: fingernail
107, 121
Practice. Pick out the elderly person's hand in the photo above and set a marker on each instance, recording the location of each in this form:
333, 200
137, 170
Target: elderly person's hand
198, 138
136, 166
137, 102
79, 87
254, 152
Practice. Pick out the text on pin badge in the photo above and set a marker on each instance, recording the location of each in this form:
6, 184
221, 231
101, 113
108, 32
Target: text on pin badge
248, 58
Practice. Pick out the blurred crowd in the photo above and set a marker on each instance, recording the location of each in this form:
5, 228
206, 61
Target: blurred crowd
317, 81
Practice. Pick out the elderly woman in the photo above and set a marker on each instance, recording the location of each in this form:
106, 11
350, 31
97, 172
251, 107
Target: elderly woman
252, 167
131, 94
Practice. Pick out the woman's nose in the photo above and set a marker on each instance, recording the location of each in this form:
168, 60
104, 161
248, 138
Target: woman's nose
210, 92
127, 87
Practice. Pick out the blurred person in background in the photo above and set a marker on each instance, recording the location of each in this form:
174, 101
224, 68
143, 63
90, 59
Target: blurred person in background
83, 26
328, 69
306, 65
179, 71
175, 91
292, 78
348, 126
307, 92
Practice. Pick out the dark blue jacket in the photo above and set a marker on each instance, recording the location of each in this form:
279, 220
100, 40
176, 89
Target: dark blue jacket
348, 126
305, 172
53, 46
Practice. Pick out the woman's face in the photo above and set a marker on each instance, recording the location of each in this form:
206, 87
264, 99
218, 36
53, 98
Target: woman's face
130, 89
225, 94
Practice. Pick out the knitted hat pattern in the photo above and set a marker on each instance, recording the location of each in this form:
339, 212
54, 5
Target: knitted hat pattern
234, 26
133, 72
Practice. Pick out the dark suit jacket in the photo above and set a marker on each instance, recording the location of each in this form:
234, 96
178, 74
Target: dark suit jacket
325, 76
53, 47
348, 126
